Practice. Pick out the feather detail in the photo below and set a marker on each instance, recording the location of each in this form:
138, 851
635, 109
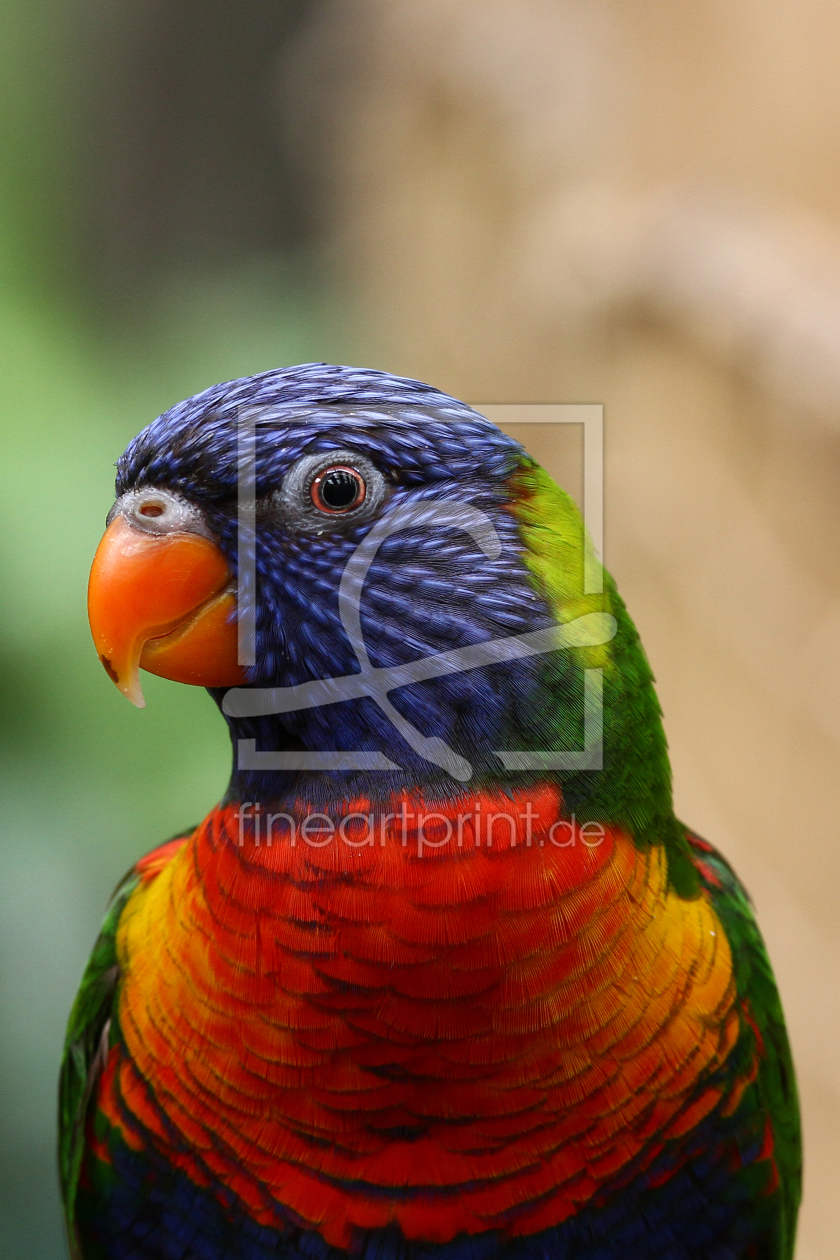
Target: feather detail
284, 1019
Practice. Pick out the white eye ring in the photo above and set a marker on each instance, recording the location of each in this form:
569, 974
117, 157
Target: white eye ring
295, 504
157, 511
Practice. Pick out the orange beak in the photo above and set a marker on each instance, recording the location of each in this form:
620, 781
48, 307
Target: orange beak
163, 603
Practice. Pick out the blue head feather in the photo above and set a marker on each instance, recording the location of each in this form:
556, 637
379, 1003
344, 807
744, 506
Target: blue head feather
429, 589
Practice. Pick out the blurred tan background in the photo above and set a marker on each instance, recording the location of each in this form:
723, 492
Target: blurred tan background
517, 200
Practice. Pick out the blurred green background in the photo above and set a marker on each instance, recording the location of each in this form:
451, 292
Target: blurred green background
146, 251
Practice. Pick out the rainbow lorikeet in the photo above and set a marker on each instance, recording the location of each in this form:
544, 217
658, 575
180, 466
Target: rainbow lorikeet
442, 976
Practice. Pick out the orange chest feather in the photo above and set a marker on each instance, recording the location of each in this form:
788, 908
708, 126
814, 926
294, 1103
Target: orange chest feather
513, 1010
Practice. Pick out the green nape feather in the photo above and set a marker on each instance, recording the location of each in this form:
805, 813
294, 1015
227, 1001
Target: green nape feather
635, 790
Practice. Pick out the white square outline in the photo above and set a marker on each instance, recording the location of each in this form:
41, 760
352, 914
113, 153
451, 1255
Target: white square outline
591, 416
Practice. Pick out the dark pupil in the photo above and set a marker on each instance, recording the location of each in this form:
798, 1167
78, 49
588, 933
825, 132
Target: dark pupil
339, 489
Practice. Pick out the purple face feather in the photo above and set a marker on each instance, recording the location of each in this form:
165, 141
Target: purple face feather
418, 433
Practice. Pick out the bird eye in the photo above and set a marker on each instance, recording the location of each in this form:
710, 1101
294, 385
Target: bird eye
338, 489
327, 491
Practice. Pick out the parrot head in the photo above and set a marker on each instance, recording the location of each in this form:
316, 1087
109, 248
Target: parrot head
327, 527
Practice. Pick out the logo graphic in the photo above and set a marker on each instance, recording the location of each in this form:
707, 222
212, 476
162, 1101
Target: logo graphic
589, 630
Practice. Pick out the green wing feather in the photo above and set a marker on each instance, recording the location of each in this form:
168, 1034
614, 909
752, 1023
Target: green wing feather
85, 1050
756, 986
